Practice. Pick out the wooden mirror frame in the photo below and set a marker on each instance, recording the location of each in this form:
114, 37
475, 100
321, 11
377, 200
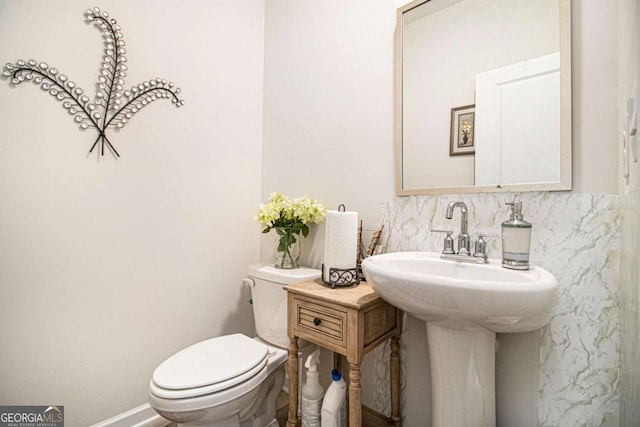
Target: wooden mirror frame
565, 182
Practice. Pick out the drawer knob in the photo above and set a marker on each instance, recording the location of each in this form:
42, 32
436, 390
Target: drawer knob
317, 321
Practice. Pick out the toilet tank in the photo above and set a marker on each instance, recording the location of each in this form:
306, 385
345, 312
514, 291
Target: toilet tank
270, 300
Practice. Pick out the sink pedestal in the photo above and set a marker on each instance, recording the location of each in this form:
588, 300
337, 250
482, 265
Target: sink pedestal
462, 375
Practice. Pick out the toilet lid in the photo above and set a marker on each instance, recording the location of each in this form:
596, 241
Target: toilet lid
215, 361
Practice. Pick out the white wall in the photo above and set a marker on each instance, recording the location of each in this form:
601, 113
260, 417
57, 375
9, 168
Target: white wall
328, 109
328, 104
109, 266
629, 20
594, 80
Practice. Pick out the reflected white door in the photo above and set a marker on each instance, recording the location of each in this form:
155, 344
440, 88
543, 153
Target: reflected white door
517, 127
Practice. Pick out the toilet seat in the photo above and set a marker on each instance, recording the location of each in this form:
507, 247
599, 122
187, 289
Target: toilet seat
209, 366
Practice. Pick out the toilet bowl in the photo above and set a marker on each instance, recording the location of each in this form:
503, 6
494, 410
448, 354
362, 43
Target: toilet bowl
219, 382
232, 380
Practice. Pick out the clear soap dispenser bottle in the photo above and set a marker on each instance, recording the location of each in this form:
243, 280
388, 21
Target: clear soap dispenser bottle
516, 239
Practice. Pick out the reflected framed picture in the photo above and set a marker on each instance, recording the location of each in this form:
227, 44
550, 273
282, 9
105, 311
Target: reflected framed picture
462, 135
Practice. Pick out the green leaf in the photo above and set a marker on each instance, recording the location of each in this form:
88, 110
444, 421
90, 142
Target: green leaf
305, 230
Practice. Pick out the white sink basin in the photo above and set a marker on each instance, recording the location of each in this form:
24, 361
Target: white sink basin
430, 288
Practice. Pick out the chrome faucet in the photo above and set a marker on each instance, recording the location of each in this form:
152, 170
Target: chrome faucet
464, 243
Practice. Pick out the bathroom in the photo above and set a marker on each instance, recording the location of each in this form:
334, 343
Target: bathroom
108, 266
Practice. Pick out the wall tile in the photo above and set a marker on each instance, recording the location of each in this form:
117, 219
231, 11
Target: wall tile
576, 237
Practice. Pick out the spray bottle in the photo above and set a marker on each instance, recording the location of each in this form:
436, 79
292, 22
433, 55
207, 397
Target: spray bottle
312, 392
334, 405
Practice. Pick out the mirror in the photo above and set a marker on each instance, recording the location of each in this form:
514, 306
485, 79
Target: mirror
483, 96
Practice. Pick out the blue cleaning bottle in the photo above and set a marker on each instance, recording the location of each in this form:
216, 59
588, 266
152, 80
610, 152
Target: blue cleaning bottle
334, 405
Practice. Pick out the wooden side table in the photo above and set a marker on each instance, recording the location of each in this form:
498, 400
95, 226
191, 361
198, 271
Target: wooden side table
350, 322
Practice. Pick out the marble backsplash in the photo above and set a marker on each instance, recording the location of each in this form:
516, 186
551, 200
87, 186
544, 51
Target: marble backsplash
577, 238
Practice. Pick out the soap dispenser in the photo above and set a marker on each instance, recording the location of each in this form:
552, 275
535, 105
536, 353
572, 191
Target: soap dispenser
516, 239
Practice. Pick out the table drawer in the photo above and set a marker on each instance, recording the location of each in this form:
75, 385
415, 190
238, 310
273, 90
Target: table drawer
320, 321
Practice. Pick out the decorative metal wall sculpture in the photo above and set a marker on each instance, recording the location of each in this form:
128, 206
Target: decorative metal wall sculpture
112, 106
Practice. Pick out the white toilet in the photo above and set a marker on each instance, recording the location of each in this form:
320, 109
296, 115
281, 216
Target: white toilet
233, 380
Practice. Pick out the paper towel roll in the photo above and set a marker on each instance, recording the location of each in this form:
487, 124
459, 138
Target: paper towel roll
340, 241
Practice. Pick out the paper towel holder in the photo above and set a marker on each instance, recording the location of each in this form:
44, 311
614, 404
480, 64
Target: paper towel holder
342, 277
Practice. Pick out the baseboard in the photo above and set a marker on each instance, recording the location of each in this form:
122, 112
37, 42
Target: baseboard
142, 416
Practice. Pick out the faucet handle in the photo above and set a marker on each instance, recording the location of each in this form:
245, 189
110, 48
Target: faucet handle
481, 244
448, 241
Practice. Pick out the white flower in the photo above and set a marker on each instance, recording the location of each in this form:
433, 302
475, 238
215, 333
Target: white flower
281, 211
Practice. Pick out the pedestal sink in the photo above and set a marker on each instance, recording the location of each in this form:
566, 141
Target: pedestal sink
463, 305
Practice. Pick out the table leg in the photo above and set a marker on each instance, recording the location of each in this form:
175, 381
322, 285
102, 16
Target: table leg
395, 381
337, 362
355, 396
292, 420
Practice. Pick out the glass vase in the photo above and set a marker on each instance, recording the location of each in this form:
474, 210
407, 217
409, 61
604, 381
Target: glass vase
288, 247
